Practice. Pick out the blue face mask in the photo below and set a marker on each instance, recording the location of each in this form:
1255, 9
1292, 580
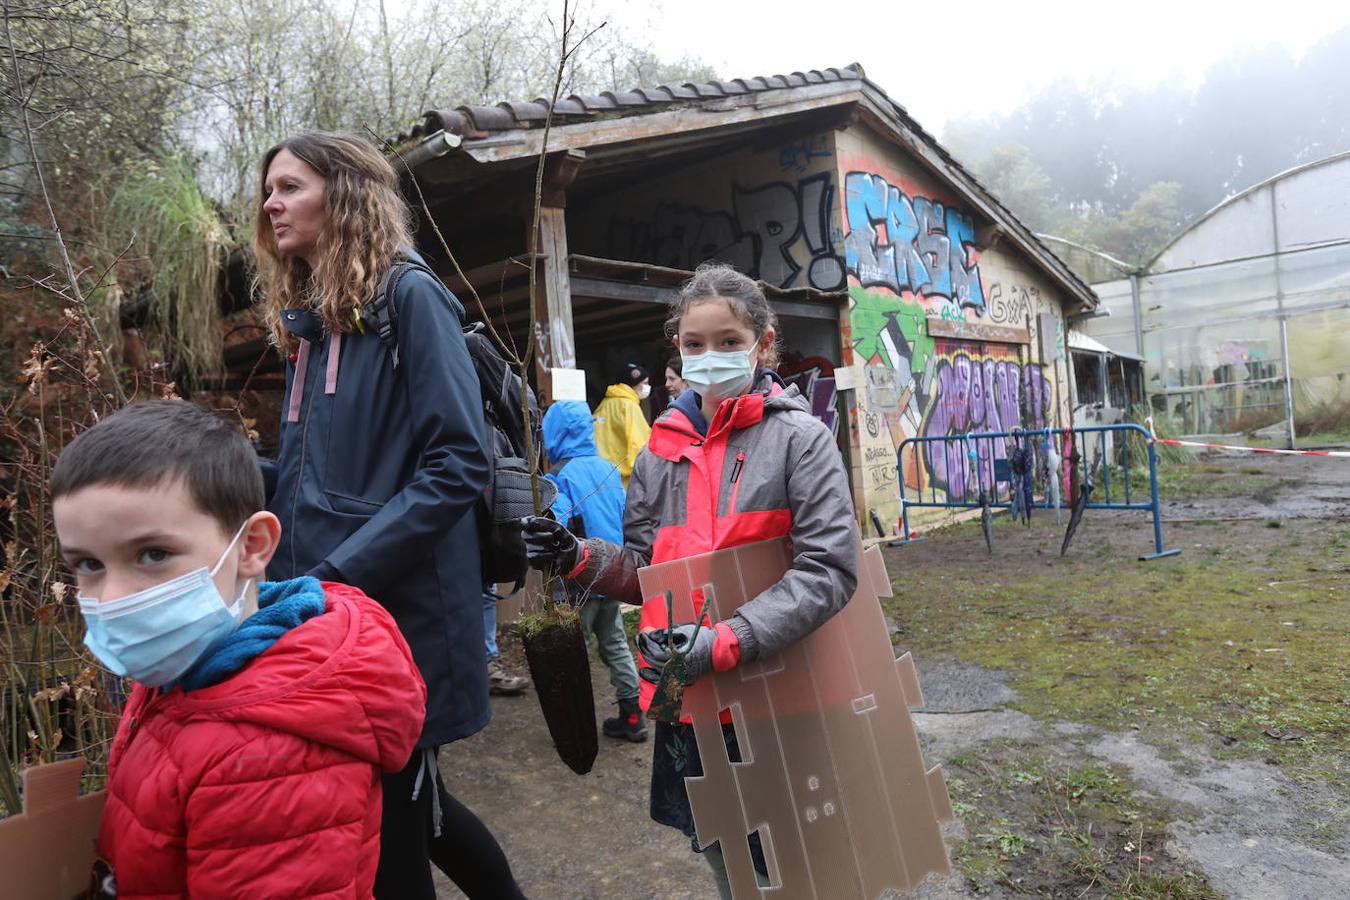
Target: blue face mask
718, 375
155, 635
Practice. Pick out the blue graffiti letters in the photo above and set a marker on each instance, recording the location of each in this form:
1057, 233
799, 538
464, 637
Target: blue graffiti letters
909, 244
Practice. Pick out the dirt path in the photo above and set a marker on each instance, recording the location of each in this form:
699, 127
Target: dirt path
567, 835
1280, 487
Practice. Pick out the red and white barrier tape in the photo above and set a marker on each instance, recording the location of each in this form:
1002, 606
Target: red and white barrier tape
1157, 440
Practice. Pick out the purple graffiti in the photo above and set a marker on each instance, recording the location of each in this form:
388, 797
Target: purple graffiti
974, 395
820, 390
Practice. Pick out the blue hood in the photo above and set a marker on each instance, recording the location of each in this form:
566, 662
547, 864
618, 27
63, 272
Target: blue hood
569, 431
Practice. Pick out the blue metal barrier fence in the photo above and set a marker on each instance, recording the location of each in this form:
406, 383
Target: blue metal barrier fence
963, 466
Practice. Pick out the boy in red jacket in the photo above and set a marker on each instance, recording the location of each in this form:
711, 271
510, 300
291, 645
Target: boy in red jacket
247, 763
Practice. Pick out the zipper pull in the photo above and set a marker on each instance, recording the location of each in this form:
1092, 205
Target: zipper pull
736, 469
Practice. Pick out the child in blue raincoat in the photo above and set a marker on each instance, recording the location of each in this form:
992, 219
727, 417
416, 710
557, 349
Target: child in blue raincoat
590, 501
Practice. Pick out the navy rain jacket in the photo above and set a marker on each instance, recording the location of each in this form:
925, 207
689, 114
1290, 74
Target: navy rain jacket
376, 481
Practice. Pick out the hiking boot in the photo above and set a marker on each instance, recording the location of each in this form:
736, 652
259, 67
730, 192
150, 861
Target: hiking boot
628, 725
502, 682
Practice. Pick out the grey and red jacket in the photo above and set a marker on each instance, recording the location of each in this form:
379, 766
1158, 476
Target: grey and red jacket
765, 468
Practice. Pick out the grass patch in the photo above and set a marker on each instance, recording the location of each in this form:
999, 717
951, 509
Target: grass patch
1194, 481
1044, 825
1242, 639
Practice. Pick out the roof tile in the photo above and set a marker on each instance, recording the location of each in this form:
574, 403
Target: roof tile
490, 118
476, 121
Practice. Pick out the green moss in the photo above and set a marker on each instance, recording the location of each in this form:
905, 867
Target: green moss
1242, 638
1047, 826
537, 623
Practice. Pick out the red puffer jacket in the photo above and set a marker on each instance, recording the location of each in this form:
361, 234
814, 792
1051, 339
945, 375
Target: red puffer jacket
267, 784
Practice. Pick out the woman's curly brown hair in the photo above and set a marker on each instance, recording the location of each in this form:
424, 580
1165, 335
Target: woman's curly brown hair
367, 223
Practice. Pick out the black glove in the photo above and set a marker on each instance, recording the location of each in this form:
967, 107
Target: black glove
657, 649
549, 546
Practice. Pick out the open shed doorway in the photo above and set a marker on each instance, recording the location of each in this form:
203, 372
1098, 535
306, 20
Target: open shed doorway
611, 333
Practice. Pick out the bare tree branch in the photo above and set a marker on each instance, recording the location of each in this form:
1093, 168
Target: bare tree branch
72, 279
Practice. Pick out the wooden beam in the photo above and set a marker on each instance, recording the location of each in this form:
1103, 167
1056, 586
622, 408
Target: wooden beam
556, 345
639, 292
488, 278
625, 326
977, 331
559, 172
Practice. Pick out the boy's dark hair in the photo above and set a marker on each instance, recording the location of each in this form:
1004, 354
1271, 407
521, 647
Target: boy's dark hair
148, 444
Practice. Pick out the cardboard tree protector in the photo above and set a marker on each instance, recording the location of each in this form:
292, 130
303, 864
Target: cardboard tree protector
47, 851
831, 774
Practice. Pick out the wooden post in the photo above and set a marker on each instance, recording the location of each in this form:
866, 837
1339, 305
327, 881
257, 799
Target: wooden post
555, 341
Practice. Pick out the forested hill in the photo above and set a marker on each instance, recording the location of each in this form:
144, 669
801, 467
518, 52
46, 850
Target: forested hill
1124, 168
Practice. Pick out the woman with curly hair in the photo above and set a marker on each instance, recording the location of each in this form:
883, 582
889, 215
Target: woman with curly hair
382, 459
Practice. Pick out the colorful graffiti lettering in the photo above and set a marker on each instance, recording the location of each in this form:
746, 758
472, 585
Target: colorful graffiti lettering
814, 377
778, 232
909, 244
979, 392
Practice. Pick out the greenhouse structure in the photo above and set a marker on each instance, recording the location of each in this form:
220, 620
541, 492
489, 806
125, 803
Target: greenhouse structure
1243, 321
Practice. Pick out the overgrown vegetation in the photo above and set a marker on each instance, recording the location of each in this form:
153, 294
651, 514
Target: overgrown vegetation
56, 702
161, 210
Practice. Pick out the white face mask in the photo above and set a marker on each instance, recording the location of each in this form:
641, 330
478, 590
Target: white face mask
718, 375
644, 392
157, 634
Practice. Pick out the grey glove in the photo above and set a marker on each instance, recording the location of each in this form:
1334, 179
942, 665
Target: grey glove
549, 546
659, 647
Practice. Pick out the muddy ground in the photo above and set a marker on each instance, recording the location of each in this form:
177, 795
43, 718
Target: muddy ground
1179, 728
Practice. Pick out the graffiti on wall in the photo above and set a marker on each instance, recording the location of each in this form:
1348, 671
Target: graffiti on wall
920, 385
1012, 304
798, 156
979, 388
910, 244
780, 232
814, 377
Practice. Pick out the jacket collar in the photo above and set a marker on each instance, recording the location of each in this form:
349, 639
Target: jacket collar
303, 323
683, 424
621, 392
282, 605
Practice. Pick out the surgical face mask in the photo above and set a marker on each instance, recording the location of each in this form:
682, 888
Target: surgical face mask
157, 634
644, 392
717, 375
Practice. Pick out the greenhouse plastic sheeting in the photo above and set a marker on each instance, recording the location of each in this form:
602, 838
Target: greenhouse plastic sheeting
831, 774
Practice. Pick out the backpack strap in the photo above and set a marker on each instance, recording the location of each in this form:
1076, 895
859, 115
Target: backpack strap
381, 312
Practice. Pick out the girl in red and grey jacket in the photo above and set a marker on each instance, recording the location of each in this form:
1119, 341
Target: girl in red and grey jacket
735, 460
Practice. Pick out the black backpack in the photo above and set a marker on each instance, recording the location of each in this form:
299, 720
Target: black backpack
508, 497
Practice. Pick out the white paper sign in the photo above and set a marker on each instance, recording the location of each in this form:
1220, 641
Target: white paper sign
568, 384
845, 378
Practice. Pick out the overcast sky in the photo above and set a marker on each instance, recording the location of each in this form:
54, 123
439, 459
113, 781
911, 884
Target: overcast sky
943, 61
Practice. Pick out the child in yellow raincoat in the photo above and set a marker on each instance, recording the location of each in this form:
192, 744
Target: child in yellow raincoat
621, 428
